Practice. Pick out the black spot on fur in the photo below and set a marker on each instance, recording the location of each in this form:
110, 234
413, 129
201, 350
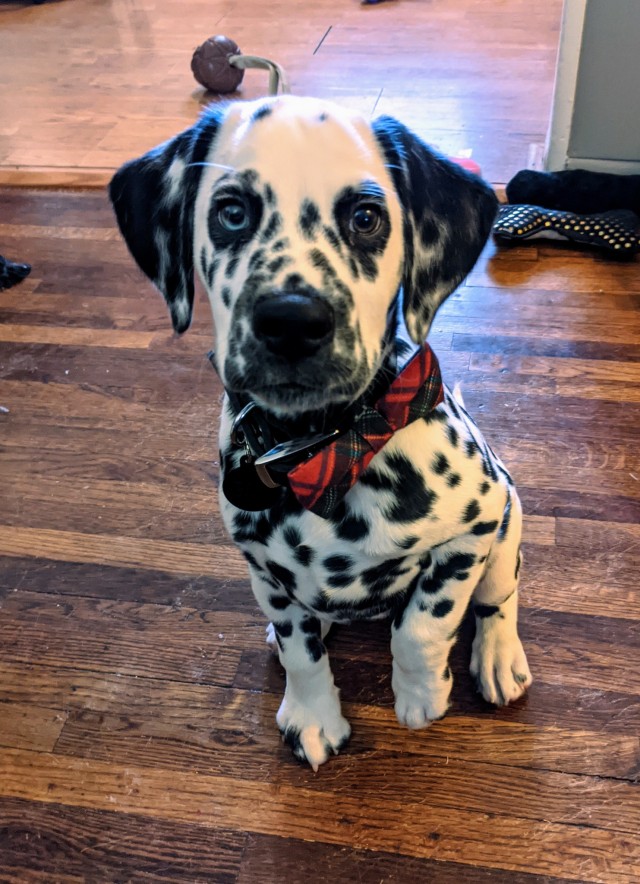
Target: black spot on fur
376, 480
442, 608
506, 519
470, 447
257, 260
453, 435
304, 554
471, 512
232, 266
309, 220
273, 227
292, 536
337, 563
518, 564
310, 625
453, 480
406, 598
225, 294
408, 542
426, 561
251, 560
269, 195
315, 647
283, 575
454, 568
263, 530
429, 234
452, 404
446, 675
440, 464
333, 239
284, 629
484, 488
484, 611
352, 527
261, 113
340, 579
481, 528
413, 499
320, 260
279, 602
382, 576
278, 263
436, 415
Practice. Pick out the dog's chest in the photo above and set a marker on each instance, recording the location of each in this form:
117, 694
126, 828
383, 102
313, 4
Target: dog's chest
412, 505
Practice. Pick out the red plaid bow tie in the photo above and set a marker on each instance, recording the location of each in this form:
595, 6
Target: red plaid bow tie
321, 482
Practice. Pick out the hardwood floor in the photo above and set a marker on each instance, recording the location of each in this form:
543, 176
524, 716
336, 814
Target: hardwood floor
137, 697
137, 734
92, 84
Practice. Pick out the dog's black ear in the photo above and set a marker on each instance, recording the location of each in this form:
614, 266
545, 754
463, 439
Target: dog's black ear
448, 214
154, 198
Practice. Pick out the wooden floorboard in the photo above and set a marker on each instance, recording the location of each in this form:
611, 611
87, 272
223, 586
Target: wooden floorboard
113, 78
137, 697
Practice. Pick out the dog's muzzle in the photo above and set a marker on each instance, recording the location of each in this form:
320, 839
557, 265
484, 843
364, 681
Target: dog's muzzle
293, 325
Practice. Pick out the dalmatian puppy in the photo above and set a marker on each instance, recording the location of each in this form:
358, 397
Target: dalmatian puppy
326, 244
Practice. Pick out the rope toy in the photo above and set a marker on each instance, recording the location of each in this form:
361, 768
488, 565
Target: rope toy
219, 66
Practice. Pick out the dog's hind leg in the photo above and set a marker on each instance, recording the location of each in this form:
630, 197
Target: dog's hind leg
309, 717
498, 661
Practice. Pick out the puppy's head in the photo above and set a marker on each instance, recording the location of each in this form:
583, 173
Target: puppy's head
302, 220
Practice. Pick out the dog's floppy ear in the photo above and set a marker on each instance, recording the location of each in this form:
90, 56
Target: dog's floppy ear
448, 214
153, 198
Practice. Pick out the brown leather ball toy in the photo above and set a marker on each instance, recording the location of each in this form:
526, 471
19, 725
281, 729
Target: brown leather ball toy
211, 64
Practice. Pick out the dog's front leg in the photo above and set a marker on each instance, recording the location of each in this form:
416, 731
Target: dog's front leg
309, 717
423, 634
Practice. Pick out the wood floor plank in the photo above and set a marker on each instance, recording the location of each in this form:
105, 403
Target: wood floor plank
462, 836
27, 726
53, 842
161, 555
123, 637
272, 859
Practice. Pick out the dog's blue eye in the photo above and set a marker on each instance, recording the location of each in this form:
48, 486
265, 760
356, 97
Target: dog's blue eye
233, 216
366, 220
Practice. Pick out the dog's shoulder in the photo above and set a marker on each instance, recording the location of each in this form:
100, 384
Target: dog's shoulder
440, 469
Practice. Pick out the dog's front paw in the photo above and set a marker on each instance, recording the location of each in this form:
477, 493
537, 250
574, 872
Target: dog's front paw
315, 732
499, 665
419, 703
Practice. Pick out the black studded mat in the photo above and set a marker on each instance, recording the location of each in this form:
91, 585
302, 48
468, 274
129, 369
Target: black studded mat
615, 231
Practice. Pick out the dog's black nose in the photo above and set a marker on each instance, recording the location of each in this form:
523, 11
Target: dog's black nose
293, 325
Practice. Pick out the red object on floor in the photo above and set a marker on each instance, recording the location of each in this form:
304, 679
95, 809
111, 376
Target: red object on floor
469, 165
